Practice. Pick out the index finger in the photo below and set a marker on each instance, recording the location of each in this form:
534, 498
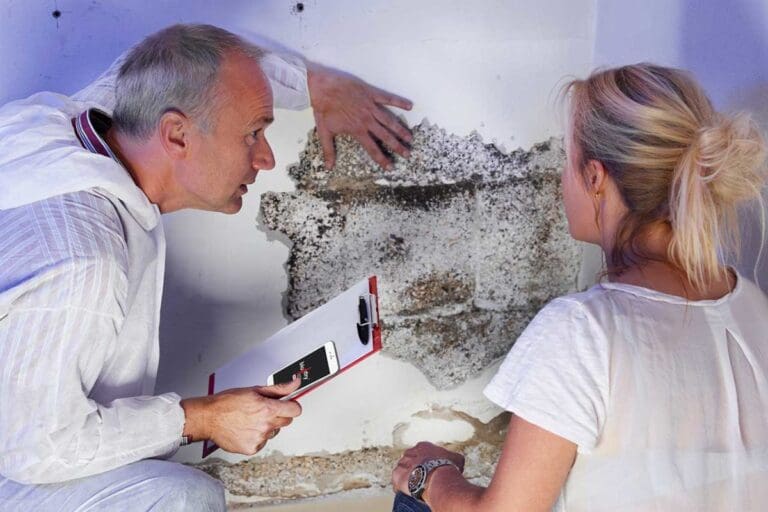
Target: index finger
286, 408
393, 124
387, 98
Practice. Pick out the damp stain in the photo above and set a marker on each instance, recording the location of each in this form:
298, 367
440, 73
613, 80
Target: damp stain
277, 477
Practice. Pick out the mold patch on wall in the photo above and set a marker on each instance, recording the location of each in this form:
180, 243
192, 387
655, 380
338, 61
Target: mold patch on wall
468, 243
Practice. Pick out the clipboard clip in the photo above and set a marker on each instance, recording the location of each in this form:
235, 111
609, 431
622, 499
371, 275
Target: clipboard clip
367, 317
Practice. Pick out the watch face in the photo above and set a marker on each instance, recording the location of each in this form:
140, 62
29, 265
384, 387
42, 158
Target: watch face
416, 478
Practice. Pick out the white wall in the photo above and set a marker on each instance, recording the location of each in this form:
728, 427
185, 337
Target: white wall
489, 66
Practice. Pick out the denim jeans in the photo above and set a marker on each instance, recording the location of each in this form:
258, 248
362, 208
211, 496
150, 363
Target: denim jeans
404, 503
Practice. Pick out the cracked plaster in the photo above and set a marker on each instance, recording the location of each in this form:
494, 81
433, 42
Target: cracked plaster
277, 477
468, 243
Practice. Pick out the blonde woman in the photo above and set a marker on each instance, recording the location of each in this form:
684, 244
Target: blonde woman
648, 391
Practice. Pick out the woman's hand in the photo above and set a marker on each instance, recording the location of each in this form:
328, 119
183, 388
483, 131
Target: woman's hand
412, 457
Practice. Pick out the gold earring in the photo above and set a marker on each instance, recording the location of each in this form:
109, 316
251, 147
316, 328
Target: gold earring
597, 210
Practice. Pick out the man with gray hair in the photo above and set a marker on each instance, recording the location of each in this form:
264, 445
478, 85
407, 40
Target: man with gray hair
82, 256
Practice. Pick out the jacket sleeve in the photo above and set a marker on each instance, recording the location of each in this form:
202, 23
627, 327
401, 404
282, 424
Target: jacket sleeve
287, 74
63, 303
50, 430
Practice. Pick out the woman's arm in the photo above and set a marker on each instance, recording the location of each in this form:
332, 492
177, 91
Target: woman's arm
531, 472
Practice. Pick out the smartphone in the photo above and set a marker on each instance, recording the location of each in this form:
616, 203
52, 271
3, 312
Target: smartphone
313, 368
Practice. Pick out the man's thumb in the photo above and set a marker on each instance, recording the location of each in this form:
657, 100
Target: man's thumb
280, 390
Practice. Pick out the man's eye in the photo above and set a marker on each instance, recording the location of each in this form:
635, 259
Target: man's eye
252, 137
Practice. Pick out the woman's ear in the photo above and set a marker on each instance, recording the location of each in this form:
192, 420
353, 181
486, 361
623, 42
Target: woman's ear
173, 129
596, 177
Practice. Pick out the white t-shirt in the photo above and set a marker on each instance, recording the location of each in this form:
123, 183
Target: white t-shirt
666, 399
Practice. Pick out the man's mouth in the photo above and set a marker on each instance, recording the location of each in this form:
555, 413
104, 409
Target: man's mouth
244, 186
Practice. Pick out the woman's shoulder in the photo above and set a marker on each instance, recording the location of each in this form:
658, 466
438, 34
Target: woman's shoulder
583, 303
593, 313
568, 315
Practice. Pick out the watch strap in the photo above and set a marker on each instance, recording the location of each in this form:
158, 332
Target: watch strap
427, 467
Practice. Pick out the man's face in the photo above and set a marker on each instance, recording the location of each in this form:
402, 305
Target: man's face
227, 158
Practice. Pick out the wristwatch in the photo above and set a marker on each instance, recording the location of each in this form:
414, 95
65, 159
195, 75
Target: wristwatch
417, 480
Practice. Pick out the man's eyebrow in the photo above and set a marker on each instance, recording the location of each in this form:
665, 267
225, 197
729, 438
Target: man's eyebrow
263, 120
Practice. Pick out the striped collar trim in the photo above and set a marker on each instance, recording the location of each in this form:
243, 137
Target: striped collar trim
89, 127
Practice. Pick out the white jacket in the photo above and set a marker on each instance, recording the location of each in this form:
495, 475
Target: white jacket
82, 256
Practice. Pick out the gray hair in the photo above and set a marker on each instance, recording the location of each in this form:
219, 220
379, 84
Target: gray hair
174, 69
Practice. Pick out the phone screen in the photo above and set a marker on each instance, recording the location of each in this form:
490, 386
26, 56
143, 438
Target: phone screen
309, 369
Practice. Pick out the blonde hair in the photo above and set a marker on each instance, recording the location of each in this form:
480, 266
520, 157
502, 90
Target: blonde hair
674, 160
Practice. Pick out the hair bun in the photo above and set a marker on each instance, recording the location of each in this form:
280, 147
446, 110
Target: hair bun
674, 159
730, 155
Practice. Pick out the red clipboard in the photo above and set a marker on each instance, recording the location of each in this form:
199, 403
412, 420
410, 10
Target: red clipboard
343, 320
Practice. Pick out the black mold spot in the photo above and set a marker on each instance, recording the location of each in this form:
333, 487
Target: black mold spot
56, 14
393, 248
299, 7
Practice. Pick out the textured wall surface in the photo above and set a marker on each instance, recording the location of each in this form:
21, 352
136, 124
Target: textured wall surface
278, 478
468, 243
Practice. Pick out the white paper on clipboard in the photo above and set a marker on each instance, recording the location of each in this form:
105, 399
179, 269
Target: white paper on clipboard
338, 320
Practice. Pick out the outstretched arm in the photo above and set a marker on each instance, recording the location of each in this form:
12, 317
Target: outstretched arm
533, 467
342, 104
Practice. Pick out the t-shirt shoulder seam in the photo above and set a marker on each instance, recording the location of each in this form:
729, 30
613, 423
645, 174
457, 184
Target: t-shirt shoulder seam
547, 421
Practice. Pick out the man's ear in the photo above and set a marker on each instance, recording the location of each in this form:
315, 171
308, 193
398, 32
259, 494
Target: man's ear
596, 176
174, 131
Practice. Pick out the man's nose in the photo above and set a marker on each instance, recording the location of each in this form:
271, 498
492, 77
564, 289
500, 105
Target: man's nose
263, 158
